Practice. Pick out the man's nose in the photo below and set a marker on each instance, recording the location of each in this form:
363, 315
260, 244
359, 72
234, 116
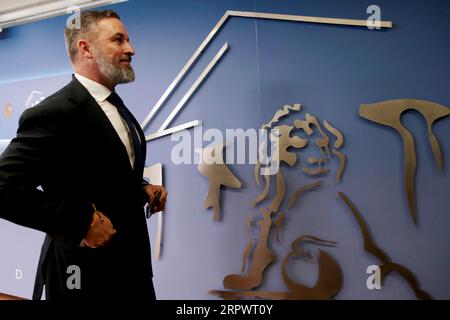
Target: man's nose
129, 50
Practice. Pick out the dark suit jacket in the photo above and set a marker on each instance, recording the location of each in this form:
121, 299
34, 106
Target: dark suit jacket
67, 145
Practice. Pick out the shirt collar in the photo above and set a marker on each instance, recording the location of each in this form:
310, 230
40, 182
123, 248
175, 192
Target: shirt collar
98, 91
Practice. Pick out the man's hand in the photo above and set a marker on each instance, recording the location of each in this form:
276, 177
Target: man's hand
100, 232
157, 196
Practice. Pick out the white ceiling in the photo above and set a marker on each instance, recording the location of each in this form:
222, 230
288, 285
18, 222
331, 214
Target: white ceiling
11, 5
15, 12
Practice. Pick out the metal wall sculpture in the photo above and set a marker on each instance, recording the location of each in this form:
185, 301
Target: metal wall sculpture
330, 274
387, 266
388, 113
212, 166
330, 279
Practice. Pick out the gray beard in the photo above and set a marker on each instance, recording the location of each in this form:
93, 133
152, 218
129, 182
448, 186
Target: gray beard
116, 73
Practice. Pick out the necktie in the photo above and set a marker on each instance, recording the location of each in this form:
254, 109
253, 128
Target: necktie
127, 117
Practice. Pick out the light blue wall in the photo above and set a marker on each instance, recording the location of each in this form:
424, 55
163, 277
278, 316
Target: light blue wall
331, 70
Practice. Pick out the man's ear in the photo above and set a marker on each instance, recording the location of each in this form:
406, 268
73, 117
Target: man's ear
84, 49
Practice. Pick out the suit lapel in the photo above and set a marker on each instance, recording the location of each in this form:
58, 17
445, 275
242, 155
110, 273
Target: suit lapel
103, 131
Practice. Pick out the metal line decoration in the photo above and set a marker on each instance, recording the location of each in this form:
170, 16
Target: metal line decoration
215, 30
162, 130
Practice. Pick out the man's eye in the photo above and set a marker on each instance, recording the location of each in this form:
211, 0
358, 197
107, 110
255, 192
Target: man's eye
119, 40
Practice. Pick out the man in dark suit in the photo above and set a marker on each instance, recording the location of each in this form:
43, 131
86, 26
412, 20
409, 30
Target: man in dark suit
74, 171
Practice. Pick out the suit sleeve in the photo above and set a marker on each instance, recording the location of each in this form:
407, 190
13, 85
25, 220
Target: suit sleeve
23, 168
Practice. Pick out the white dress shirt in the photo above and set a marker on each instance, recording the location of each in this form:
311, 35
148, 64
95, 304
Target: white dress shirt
100, 93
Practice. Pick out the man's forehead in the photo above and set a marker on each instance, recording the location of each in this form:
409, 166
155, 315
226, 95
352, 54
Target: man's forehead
112, 26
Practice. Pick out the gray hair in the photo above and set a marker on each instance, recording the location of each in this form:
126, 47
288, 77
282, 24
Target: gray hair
88, 26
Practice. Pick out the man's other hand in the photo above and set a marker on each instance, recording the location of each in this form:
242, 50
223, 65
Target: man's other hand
157, 196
